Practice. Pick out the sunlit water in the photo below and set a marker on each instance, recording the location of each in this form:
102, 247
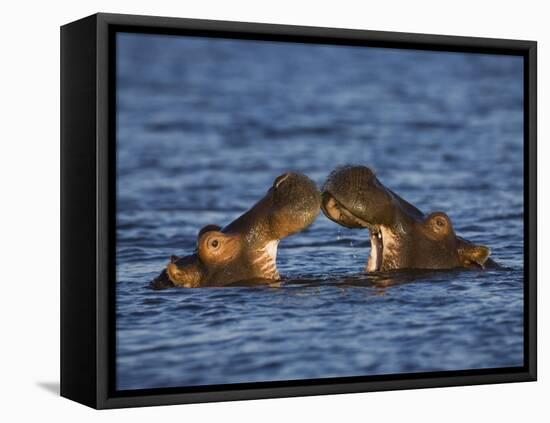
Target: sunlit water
204, 126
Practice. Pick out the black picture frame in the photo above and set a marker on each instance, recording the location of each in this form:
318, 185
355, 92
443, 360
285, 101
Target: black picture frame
87, 210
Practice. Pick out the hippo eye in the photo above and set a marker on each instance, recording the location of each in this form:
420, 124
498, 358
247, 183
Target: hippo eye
215, 243
440, 222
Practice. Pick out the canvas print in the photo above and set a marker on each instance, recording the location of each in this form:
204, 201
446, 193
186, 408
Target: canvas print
291, 211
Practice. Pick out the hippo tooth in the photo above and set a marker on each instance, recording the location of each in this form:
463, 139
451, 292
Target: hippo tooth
267, 260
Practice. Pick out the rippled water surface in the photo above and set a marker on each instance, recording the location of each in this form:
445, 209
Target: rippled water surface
205, 125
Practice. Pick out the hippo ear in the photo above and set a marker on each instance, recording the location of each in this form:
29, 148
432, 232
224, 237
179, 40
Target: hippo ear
474, 255
217, 247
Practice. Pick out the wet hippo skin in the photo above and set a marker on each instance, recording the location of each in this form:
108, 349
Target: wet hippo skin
402, 237
246, 249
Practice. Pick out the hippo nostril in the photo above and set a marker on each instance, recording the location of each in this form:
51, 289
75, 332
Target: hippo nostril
280, 179
365, 175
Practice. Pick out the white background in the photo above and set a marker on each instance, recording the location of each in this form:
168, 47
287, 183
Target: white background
29, 243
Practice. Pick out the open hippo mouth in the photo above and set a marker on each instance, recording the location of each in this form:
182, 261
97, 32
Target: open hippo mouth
401, 235
338, 213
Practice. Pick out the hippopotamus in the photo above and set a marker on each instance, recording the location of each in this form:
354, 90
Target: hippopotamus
402, 237
246, 249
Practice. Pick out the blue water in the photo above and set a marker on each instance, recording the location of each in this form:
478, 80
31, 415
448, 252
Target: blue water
205, 125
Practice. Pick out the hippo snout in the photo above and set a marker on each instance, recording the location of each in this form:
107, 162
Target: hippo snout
348, 180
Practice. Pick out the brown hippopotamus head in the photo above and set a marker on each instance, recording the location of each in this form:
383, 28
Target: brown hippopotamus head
402, 237
246, 249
